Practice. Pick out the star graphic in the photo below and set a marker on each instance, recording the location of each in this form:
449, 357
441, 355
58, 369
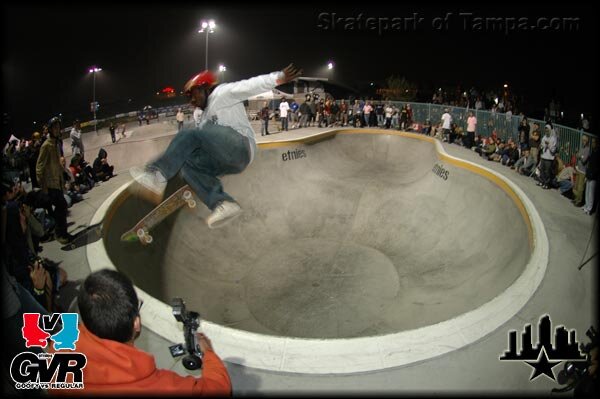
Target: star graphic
542, 366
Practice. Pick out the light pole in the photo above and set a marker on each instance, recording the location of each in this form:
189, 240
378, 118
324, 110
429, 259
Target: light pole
93, 71
222, 69
209, 27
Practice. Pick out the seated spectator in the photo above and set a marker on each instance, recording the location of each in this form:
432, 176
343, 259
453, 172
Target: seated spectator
489, 148
510, 154
526, 164
109, 325
83, 179
19, 255
477, 142
426, 128
102, 169
16, 301
438, 132
496, 156
565, 179
73, 191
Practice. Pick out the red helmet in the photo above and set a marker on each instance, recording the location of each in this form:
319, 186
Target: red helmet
203, 78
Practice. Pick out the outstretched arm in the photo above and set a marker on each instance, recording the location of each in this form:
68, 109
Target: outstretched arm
232, 93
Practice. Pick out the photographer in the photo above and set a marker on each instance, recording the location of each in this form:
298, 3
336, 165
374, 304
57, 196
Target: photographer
110, 323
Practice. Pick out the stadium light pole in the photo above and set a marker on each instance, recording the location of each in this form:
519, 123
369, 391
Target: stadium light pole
208, 27
222, 70
94, 70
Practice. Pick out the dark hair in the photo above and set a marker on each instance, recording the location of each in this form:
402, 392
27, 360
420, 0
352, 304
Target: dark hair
108, 305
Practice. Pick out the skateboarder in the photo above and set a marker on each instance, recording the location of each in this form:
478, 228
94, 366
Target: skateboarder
223, 143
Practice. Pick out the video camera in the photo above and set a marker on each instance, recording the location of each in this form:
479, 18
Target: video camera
191, 322
575, 375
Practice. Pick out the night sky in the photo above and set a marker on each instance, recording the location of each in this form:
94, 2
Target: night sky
142, 48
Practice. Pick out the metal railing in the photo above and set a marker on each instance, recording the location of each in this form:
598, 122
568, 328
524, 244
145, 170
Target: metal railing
506, 126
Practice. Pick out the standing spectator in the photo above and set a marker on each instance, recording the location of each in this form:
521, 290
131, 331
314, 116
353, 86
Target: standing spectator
313, 111
76, 141
534, 142
446, 124
140, 118
356, 113
327, 112
471, 128
263, 114
379, 111
478, 104
284, 107
179, 117
403, 118
112, 130
109, 325
585, 124
395, 116
389, 110
343, 113
548, 147
304, 113
335, 112
591, 175
50, 177
103, 170
368, 108
294, 113
409, 114
34, 153
580, 171
523, 133
320, 112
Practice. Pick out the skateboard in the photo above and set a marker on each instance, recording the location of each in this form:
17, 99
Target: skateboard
141, 231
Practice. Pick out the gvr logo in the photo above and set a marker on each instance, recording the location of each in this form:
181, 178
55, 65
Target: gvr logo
36, 371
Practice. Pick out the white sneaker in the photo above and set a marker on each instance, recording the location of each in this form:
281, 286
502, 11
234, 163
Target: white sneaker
153, 180
224, 213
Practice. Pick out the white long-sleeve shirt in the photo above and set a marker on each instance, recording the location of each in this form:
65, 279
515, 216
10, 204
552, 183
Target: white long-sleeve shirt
225, 104
283, 109
548, 146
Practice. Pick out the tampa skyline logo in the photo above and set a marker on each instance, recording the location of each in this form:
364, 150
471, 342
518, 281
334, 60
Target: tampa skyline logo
546, 354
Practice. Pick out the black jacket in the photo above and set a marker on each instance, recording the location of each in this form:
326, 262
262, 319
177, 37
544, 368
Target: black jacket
591, 172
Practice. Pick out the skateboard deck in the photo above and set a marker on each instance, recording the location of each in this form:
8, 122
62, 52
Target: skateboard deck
141, 231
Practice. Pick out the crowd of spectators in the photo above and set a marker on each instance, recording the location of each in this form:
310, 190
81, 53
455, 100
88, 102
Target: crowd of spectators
37, 189
329, 112
533, 154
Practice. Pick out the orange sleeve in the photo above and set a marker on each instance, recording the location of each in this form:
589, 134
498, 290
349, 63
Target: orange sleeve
215, 378
214, 381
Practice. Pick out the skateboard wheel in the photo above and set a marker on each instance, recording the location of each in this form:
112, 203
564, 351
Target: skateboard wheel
141, 233
187, 195
191, 203
148, 239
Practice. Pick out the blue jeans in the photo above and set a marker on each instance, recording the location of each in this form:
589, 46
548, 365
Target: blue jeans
202, 155
284, 123
264, 128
